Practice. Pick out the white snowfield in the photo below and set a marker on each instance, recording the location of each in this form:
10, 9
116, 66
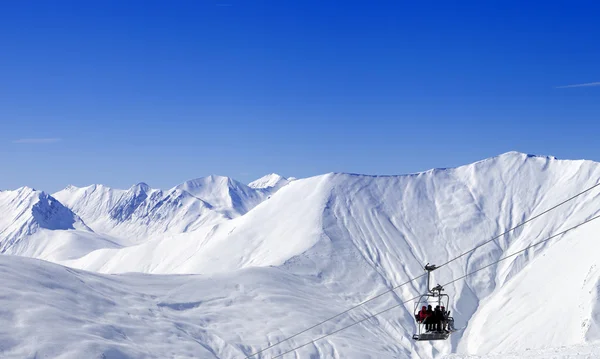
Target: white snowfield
225, 269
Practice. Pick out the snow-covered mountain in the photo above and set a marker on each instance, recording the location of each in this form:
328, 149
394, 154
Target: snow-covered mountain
224, 194
317, 246
271, 182
141, 213
35, 224
25, 211
134, 215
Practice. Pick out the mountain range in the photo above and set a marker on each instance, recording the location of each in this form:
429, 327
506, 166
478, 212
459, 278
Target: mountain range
214, 268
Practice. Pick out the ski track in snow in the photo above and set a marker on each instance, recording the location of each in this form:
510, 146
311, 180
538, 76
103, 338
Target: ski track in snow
242, 267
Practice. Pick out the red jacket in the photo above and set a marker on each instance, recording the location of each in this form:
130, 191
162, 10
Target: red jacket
422, 315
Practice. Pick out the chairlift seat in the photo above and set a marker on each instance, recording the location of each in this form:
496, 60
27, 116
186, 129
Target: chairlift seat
431, 336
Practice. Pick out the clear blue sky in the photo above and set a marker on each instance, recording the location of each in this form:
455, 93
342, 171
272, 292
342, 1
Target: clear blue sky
119, 92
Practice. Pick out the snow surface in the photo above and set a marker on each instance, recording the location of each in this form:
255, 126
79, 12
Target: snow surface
271, 181
271, 264
581, 351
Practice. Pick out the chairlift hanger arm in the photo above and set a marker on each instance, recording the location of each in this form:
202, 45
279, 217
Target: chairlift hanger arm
430, 267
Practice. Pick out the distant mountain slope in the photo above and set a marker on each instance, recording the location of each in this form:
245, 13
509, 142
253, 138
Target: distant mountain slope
92, 203
35, 224
224, 194
26, 211
270, 182
140, 213
278, 229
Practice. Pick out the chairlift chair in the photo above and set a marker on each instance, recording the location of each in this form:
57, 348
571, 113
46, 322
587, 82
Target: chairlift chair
433, 297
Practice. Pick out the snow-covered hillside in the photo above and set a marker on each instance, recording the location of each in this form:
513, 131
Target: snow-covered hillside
74, 314
275, 263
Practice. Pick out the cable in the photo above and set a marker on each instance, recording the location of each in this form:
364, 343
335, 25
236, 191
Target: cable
346, 327
455, 280
524, 249
424, 274
335, 316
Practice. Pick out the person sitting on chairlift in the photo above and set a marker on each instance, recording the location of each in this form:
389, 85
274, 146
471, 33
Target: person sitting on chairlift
422, 315
429, 320
444, 319
438, 318
448, 322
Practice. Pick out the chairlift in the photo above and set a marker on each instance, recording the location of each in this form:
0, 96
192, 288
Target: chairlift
433, 297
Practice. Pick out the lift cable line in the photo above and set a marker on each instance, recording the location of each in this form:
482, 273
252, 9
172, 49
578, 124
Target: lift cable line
346, 327
452, 281
526, 248
520, 225
335, 316
423, 275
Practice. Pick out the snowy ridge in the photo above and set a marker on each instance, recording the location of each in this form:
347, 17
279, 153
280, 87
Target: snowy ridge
267, 235
224, 194
26, 211
141, 213
35, 224
271, 182
320, 245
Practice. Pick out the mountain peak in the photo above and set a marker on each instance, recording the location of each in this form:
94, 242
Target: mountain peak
71, 188
223, 193
49, 213
26, 211
270, 181
26, 189
211, 182
92, 187
524, 155
141, 187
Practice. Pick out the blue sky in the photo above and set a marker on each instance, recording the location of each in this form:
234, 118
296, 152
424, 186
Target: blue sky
119, 92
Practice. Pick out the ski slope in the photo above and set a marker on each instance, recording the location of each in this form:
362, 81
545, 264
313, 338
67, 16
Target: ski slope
277, 259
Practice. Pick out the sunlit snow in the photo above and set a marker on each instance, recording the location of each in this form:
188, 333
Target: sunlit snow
225, 269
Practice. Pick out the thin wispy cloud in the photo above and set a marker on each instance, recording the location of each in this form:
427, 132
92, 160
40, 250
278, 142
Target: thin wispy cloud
37, 140
589, 84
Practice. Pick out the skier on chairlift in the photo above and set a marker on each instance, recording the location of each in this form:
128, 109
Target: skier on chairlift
422, 314
429, 320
